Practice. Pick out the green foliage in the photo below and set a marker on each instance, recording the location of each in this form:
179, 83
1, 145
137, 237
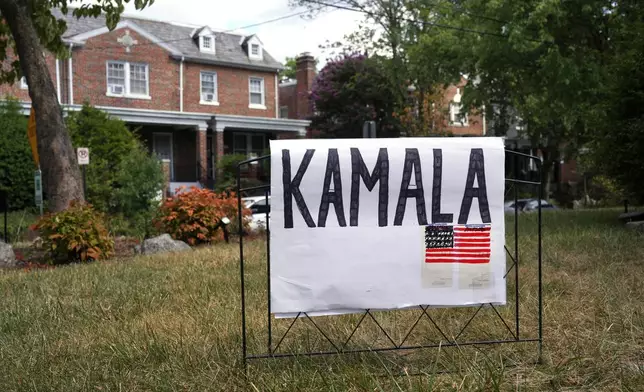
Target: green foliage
227, 181
121, 177
75, 234
350, 90
193, 215
16, 161
109, 142
139, 180
618, 145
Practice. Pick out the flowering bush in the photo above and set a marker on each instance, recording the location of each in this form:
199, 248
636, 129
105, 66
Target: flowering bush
193, 215
75, 234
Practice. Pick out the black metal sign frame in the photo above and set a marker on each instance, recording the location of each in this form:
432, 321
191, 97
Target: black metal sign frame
341, 347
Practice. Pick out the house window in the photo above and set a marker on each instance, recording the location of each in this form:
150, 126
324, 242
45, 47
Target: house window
207, 43
250, 144
127, 79
254, 50
256, 87
23, 83
456, 116
283, 111
209, 88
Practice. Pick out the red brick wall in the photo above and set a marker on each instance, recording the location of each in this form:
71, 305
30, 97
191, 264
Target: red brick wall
90, 72
14, 90
232, 91
475, 120
288, 98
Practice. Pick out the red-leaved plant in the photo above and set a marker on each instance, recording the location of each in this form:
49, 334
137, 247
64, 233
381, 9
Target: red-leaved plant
75, 234
192, 215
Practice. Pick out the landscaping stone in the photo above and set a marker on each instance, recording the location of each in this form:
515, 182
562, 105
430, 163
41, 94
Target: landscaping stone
637, 226
7, 256
632, 216
162, 244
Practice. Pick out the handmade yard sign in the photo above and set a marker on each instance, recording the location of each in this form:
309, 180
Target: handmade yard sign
386, 224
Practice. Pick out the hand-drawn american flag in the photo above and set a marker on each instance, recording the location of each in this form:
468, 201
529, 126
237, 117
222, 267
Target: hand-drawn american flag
457, 244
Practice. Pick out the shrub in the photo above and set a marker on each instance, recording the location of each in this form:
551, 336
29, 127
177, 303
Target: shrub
75, 234
16, 163
109, 142
192, 216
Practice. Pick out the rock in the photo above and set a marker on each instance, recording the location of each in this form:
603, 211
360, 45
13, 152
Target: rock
162, 244
637, 226
7, 257
37, 243
632, 216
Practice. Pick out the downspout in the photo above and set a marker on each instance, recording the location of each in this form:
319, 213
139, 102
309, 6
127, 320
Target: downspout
277, 101
181, 84
71, 75
58, 80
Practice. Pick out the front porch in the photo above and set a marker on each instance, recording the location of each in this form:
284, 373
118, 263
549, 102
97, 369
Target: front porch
191, 155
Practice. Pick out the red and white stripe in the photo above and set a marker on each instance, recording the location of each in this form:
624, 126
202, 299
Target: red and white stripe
471, 246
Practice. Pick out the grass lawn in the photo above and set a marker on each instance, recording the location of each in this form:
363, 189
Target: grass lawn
172, 323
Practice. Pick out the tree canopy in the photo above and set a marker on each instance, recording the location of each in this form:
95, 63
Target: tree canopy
350, 90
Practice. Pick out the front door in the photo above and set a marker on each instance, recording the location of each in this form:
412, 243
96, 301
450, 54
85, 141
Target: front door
162, 147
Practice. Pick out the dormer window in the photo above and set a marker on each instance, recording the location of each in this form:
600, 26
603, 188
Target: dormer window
205, 38
207, 43
254, 48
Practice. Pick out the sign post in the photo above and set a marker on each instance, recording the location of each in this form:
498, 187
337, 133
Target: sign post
82, 154
33, 141
38, 189
369, 130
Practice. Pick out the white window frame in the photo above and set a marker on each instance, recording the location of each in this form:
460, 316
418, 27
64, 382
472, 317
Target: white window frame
23, 83
263, 84
210, 49
126, 88
260, 50
282, 109
202, 101
454, 112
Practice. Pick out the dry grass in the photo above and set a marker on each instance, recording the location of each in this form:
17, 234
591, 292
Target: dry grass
173, 323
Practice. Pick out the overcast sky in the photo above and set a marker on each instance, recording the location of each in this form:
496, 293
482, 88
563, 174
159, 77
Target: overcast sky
282, 38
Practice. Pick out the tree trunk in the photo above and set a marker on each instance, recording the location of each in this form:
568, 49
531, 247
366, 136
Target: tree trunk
61, 174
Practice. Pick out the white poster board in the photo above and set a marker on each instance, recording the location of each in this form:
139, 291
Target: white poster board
386, 224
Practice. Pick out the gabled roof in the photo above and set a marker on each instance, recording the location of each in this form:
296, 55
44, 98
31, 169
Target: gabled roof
177, 39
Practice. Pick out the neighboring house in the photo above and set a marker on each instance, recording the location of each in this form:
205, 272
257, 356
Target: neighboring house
195, 93
294, 100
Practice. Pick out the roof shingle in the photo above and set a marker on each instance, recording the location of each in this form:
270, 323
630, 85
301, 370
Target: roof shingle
228, 47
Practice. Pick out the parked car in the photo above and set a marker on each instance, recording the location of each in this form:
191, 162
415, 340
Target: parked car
533, 205
509, 206
528, 205
258, 206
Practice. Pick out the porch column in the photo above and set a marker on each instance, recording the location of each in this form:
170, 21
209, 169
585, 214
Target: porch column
202, 155
218, 139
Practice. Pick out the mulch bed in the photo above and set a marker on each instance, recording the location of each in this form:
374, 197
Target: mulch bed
30, 257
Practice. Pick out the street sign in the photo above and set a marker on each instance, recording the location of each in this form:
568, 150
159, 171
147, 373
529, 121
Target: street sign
83, 155
31, 133
38, 189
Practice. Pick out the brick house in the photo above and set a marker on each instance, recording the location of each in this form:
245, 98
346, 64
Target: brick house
294, 100
195, 94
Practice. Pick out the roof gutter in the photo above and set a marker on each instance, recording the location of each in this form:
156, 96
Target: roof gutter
251, 67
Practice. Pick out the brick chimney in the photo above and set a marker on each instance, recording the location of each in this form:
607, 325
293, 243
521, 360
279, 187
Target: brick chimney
305, 74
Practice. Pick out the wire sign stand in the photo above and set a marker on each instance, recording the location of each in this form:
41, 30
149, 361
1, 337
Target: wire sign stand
275, 347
